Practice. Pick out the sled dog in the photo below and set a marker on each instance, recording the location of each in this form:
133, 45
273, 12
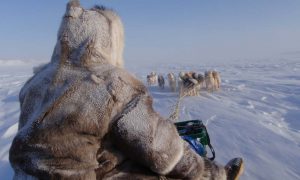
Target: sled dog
172, 81
190, 84
217, 80
209, 80
161, 81
180, 80
152, 79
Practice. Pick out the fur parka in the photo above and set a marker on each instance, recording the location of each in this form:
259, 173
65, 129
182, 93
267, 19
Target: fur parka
84, 117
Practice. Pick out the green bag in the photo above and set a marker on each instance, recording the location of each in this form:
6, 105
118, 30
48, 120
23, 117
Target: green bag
195, 130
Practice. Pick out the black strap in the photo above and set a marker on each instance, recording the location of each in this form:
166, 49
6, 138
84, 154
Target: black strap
212, 151
210, 146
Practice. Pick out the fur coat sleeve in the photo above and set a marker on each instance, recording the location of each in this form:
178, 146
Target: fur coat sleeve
147, 138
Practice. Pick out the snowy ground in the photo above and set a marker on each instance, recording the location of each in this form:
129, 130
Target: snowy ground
255, 115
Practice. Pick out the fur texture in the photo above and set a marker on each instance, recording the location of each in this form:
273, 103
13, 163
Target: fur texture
152, 79
180, 81
209, 81
86, 42
83, 117
217, 79
172, 81
200, 79
191, 84
161, 81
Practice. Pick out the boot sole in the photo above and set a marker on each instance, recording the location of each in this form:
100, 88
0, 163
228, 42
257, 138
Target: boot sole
241, 170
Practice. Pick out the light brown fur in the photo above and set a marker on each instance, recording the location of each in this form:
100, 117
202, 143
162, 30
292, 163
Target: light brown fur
217, 80
190, 84
209, 81
172, 81
152, 79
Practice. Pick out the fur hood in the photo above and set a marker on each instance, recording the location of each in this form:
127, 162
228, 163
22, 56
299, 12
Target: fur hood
89, 36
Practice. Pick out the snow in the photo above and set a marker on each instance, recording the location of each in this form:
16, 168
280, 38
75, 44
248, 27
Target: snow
255, 115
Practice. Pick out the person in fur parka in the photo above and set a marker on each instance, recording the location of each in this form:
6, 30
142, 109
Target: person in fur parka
84, 117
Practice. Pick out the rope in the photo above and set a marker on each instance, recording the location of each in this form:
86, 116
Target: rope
175, 113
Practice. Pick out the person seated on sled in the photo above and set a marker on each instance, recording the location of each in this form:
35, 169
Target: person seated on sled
84, 117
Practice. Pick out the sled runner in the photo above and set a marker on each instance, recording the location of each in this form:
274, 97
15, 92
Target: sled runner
195, 133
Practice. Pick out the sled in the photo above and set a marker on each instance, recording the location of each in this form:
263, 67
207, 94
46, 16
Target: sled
195, 133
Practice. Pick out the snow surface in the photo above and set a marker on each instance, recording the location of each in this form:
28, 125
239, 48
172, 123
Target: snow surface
255, 115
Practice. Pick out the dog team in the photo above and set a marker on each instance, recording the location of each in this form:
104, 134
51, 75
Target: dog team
188, 83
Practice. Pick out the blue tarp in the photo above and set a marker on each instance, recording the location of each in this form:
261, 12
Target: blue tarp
195, 145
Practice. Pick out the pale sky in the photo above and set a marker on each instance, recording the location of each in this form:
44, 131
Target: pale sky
164, 30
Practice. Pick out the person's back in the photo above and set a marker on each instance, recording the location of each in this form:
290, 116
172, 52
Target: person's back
84, 117
65, 115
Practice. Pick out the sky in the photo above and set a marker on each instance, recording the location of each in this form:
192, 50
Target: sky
164, 30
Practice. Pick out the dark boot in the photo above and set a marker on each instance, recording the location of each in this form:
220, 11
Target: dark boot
234, 168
